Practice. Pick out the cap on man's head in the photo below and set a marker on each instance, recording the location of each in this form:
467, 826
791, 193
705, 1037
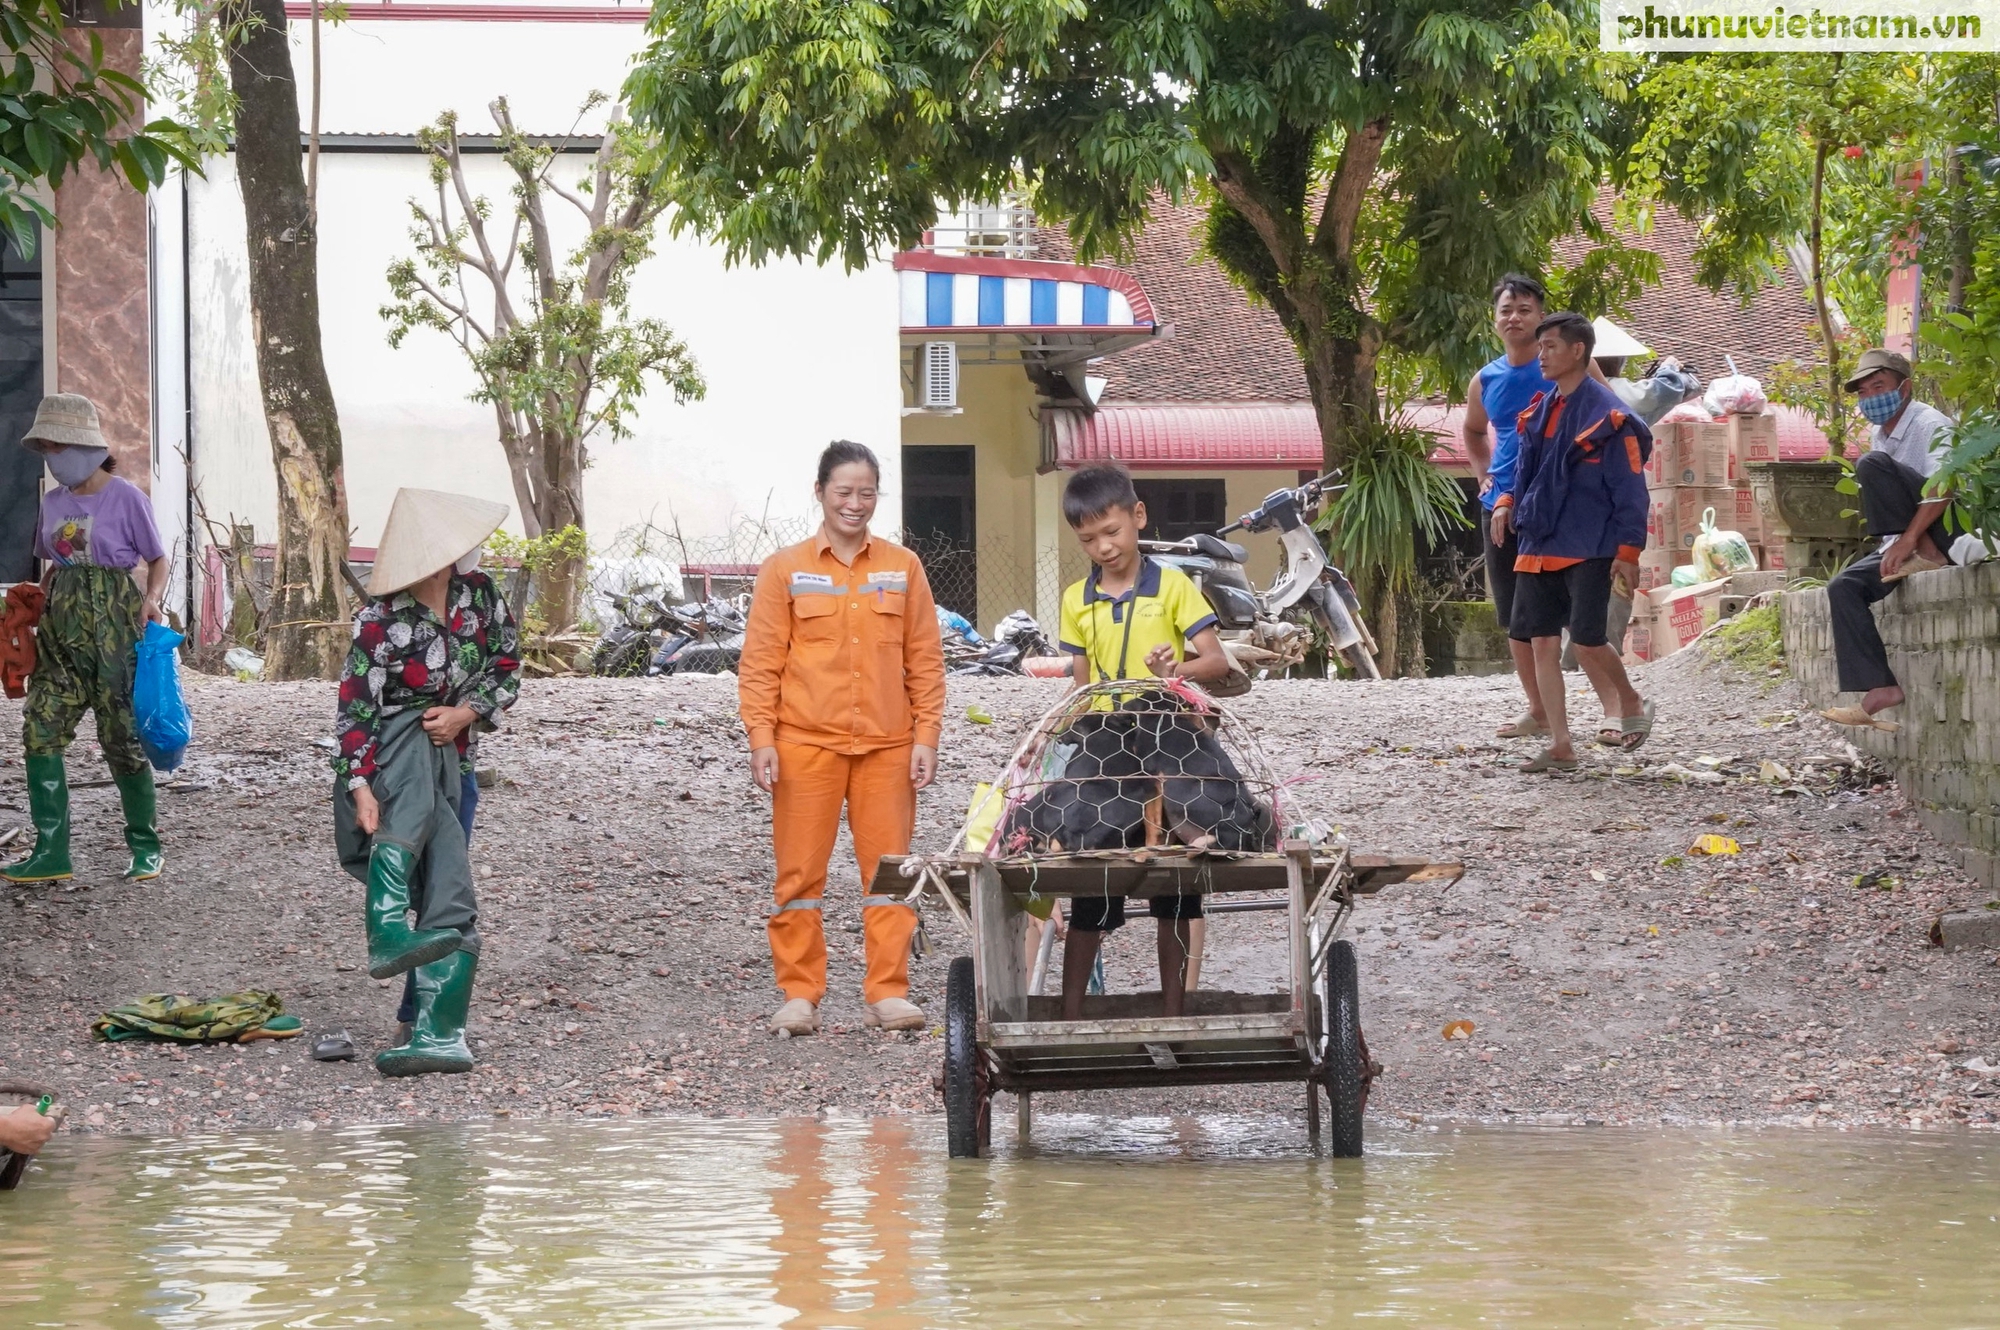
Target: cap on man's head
1878, 358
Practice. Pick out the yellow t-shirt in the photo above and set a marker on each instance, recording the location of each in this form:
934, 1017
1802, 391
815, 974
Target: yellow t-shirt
1163, 608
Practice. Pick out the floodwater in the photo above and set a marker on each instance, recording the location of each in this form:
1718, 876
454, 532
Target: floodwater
1116, 1223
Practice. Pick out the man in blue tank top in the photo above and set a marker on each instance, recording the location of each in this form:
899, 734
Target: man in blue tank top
1497, 395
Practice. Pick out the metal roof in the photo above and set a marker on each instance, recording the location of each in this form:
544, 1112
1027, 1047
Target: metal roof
1223, 436
1182, 436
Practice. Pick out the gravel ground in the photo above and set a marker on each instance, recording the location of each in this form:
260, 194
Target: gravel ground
624, 865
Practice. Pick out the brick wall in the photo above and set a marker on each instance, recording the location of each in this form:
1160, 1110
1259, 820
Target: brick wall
1943, 634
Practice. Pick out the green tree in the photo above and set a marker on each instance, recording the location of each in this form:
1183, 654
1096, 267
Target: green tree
1768, 151
552, 342
60, 106
1370, 169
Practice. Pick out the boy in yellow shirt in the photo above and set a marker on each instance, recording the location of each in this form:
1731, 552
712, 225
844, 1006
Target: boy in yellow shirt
1131, 617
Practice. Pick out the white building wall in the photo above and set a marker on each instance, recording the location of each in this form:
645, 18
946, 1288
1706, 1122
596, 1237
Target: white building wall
793, 355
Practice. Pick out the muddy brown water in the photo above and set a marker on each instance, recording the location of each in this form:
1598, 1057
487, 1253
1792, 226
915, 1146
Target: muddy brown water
1186, 1222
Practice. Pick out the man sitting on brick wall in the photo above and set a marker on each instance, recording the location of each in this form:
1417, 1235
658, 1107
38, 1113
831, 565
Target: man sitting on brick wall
1907, 446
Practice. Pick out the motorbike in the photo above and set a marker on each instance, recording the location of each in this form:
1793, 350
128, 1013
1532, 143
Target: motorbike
1272, 629
1015, 638
653, 638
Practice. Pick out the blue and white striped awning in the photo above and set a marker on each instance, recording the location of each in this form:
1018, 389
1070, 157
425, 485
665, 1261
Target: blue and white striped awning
974, 291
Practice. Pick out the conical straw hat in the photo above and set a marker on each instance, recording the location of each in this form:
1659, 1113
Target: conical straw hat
428, 530
1613, 340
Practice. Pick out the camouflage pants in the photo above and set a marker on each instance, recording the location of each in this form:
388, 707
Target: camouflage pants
85, 655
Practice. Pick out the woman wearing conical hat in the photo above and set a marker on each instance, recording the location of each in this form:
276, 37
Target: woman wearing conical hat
433, 662
95, 529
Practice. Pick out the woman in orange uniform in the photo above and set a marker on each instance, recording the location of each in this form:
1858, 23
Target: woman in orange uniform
841, 688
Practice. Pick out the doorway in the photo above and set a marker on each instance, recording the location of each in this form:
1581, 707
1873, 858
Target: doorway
20, 394
940, 523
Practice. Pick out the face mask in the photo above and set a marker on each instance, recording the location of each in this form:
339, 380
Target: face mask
1882, 407
467, 564
72, 466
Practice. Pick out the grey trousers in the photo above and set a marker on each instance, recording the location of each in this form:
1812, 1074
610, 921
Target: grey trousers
417, 785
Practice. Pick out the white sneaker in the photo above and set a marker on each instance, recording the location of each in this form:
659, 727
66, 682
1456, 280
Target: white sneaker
894, 1014
796, 1017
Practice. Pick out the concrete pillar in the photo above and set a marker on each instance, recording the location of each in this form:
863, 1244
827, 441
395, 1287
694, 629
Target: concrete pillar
103, 347
1049, 532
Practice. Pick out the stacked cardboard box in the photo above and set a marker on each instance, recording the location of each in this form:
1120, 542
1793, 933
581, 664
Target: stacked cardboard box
1696, 466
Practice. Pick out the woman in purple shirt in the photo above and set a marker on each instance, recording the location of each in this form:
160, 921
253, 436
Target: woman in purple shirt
95, 530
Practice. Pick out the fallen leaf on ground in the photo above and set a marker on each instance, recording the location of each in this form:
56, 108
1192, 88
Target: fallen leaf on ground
1713, 844
1459, 1029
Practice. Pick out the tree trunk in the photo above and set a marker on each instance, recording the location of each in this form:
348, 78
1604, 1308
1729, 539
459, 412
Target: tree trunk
559, 506
1340, 374
1959, 201
1821, 308
306, 627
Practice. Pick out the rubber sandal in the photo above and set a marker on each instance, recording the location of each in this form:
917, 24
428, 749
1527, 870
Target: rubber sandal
1637, 729
334, 1046
1548, 761
1916, 563
1859, 719
1522, 727
1611, 734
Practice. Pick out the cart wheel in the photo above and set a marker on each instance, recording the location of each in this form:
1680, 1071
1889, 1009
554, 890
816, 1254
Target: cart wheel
967, 1100
1346, 1063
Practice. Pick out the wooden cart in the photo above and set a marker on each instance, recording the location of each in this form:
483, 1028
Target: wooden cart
1000, 1037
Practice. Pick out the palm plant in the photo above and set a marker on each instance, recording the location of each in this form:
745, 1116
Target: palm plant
1393, 492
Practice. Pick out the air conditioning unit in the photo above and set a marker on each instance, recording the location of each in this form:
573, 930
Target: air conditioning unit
940, 388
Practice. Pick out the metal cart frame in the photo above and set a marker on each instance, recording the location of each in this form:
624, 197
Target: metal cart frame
998, 1036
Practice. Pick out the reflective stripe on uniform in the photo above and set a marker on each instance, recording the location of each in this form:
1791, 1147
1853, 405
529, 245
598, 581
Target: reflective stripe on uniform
870, 901
811, 904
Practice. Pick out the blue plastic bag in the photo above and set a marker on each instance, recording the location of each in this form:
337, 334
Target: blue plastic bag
165, 727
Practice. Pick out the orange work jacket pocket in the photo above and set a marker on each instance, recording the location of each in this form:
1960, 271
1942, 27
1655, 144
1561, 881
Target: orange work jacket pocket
889, 624
814, 618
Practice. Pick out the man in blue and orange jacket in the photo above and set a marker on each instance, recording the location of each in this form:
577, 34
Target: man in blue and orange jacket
1578, 504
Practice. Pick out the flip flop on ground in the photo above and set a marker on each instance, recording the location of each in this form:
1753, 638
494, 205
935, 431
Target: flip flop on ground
1547, 761
1859, 719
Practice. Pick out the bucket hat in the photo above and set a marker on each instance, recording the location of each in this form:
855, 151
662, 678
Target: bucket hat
1880, 357
428, 530
67, 418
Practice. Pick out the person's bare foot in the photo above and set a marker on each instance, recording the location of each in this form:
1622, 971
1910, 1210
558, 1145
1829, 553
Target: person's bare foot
1881, 699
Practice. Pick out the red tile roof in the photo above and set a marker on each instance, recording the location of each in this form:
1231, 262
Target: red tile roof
1226, 349
1679, 317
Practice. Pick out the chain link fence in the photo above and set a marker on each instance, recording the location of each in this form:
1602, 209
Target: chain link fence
984, 585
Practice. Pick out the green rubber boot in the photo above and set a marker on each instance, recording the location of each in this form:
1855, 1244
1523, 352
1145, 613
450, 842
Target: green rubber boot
142, 832
48, 809
437, 1039
393, 946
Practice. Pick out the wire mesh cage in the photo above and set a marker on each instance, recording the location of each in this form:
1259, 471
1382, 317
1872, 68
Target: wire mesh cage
1131, 765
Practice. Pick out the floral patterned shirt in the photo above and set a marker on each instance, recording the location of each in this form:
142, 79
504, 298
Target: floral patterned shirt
404, 657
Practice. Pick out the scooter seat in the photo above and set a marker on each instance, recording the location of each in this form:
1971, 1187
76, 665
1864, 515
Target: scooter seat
1217, 548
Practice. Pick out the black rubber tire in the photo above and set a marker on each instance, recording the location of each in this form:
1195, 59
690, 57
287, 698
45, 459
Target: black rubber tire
1345, 1074
1356, 656
1361, 662
623, 660
962, 1106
